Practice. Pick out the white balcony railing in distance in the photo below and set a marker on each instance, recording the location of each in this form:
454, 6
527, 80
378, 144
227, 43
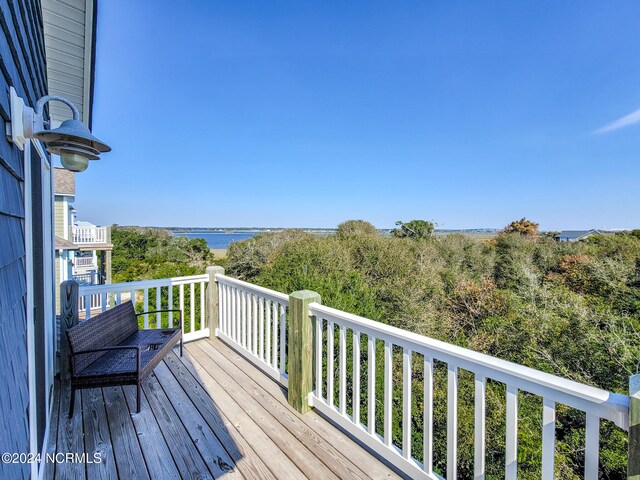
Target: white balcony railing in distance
184, 293
89, 235
85, 262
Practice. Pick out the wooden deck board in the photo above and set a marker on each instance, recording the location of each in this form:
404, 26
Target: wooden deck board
189, 461
97, 439
70, 437
50, 467
210, 414
277, 460
371, 466
317, 444
124, 439
154, 447
309, 464
212, 451
245, 458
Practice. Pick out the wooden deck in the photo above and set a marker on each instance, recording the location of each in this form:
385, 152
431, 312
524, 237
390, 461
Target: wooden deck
207, 415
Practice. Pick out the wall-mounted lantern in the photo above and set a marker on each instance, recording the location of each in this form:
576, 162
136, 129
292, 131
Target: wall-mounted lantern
72, 140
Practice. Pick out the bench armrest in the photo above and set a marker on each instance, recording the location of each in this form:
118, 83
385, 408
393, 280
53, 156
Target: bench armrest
166, 311
138, 350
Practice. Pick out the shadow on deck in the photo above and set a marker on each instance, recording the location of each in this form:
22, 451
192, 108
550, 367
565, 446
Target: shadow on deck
210, 414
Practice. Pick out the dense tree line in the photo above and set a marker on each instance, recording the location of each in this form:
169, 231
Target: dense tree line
571, 309
147, 253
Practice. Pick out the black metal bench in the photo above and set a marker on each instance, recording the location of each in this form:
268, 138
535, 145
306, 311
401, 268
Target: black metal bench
109, 349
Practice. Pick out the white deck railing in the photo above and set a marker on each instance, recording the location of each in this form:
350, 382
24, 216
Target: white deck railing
596, 403
162, 293
89, 235
253, 320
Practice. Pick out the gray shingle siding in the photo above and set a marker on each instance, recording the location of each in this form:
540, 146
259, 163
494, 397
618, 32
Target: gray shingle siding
22, 66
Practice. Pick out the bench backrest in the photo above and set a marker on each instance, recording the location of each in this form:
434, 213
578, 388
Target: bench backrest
108, 328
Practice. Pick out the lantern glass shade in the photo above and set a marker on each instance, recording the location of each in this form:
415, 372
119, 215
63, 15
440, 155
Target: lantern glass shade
74, 161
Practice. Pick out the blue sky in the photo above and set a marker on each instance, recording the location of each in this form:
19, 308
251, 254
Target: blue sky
306, 114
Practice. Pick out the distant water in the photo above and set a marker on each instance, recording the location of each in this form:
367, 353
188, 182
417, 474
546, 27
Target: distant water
215, 239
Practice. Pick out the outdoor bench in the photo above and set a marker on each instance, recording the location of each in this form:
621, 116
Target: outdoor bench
110, 350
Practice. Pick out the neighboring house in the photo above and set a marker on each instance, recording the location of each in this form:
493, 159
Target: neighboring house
576, 235
64, 188
33, 66
83, 250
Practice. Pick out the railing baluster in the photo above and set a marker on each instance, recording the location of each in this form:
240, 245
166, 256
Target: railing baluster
118, 298
249, 324
267, 341
330, 333
232, 313
203, 309
192, 307
242, 325
318, 356
103, 301
274, 339
132, 294
283, 338
452, 421
228, 314
428, 416
224, 315
158, 307
371, 387
548, 438
249, 333
254, 324
591, 447
406, 403
235, 295
87, 307
170, 303
356, 378
511, 452
343, 370
261, 328
479, 428
181, 291
388, 393
146, 307
243, 318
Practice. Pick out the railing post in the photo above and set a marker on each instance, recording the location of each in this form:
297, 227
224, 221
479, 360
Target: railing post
213, 300
69, 309
633, 465
300, 351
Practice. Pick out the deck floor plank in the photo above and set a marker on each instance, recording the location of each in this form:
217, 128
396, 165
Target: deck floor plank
320, 446
371, 465
154, 447
70, 439
297, 451
124, 439
97, 439
189, 461
50, 467
244, 456
212, 451
277, 461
